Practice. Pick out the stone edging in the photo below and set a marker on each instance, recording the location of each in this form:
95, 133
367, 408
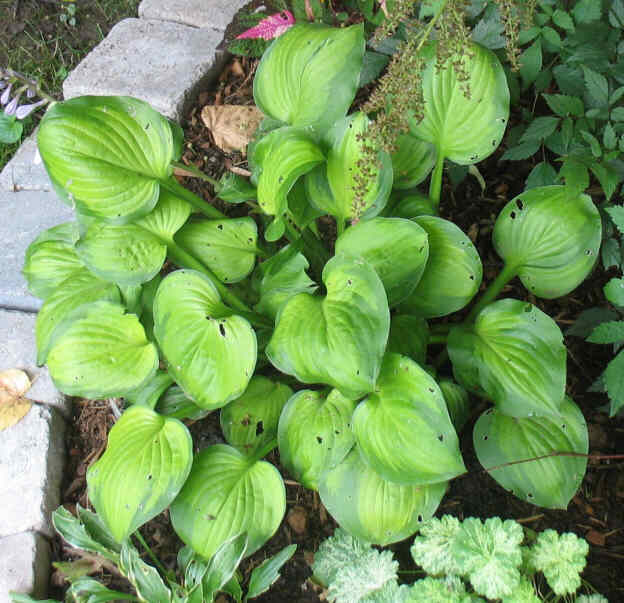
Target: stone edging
161, 57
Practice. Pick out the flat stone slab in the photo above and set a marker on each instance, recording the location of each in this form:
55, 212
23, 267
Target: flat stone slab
32, 454
159, 62
214, 14
24, 565
24, 215
18, 350
25, 171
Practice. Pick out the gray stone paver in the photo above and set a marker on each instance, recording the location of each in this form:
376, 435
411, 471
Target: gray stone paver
159, 62
24, 565
24, 215
215, 14
32, 454
25, 171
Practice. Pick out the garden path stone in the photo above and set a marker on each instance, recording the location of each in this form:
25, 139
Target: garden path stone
24, 215
24, 565
25, 171
156, 61
215, 14
32, 454
18, 349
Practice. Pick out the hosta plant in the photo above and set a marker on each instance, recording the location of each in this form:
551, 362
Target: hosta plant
325, 357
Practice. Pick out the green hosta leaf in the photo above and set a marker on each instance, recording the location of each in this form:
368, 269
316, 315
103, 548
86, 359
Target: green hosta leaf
434, 549
396, 248
215, 359
55, 315
409, 336
464, 130
88, 590
124, 254
280, 278
403, 429
457, 401
263, 576
174, 403
249, 423
412, 161
315, 434
310, 74
131, 298
150, 393
146, 463
281, 157
489, 554
228, 493
339, 339
302, 211
340, 187
169, 215
561, 558
51, 258
614, 291
412, 206
107, 154
453, 272
549, 482
223, 564
514, 355
373, 509
551, 237
227, 247
103, 353
145, 578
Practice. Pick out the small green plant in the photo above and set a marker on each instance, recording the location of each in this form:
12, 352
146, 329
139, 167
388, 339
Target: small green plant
461, 559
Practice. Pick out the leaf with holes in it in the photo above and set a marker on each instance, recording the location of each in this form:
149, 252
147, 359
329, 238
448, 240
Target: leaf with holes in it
104, 353
373, 509
107, 154
227, 247
250, 422
228, 493
315, 434
56, 313
215, 359
309, 75
339, 339
549, 482
550, 236
514, 355
464, 130
340, 187
409, 336
396, 248
51, 258
412, 161
403, 429
452, 275
147, 461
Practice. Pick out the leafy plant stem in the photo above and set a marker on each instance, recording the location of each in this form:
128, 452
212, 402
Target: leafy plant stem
435, 186
265, 450
493, 290
174, 187
161, 568
191, 169
340, 226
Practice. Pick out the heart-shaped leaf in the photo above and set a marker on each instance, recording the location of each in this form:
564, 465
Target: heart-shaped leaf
176, 404
453, 272
551, 237
403, 429
457, 401
146, 463
514, 355
228, 493
373, 509
309, 75
104, 353
215, 359
339, 339
343, 187
169, 215
51, 258
227, 247
249, 423
396, 248
412, 161
78, 290
548, 482
409, 336
107, 154
315, 434
415, 204
463, 128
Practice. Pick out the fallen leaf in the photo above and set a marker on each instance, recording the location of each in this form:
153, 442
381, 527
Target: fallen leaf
14, 383
232, 126
298, 519
595, 538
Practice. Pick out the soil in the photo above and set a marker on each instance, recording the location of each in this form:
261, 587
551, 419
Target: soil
595, 513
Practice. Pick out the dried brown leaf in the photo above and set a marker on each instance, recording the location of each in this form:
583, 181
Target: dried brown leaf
232, 126
14, 383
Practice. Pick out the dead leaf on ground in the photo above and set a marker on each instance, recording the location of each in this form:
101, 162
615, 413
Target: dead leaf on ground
14, 383
298, 519
232, 126
596, 538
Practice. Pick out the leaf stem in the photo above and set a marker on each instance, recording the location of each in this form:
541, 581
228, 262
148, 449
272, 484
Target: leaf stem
435, 186
262, 452
495, 287
435, 338
340, 226
173, 186
191, 169
164, 571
